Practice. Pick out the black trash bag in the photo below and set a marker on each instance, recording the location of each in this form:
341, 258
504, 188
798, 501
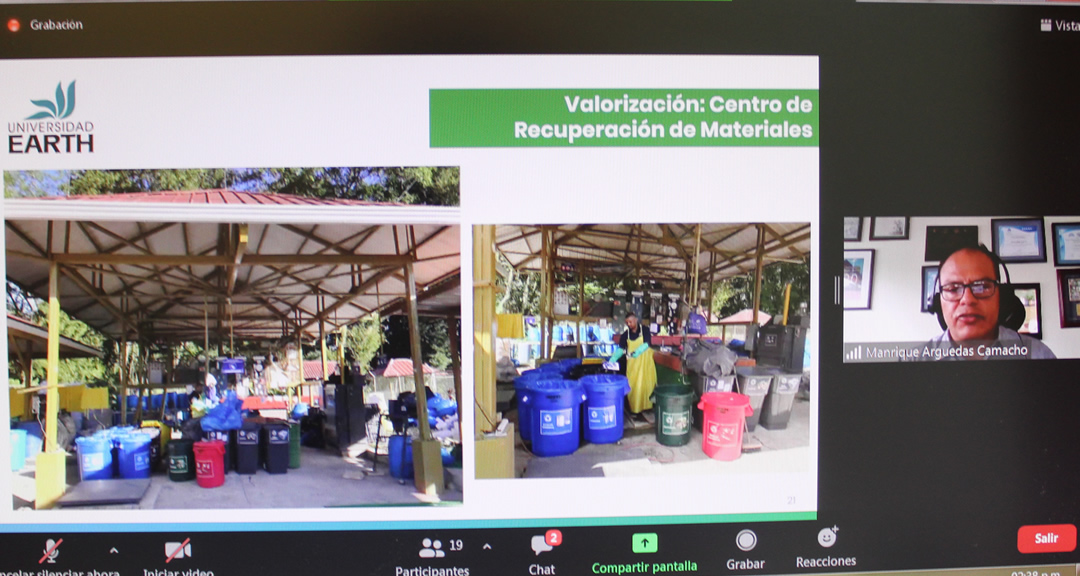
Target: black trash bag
582, 370
192, 429
708, 358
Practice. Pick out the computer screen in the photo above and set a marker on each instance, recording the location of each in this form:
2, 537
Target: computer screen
471, 287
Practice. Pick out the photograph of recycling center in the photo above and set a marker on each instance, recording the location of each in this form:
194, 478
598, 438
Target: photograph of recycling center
255, 338
641, 349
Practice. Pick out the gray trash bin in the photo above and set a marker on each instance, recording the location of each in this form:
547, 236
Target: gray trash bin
776, 412
755, 382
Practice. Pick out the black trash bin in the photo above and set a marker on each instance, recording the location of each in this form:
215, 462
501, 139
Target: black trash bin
247, 448
275, 441
229, 438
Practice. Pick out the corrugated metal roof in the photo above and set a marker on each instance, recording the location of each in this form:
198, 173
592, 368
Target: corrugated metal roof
30, 340
745, 317
163, 277
401, 367
313, 369
224, 196
657, 251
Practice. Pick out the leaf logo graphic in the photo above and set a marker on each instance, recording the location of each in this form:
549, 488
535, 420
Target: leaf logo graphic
61, 108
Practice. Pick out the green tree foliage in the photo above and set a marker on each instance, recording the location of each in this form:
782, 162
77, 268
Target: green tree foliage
436, 186
31, 183
85, 370
737, 293
363, 340
95, 182
519, 290
435, 343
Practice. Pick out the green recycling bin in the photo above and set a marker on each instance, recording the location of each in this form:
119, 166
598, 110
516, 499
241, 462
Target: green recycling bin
181, 455
674, 405
294, 444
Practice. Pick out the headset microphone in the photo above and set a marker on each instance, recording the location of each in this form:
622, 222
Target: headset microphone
1011, 311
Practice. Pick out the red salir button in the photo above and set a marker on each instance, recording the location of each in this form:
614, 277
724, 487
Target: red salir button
1046, 538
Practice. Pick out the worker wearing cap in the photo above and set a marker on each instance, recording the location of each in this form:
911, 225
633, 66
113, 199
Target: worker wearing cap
634, 342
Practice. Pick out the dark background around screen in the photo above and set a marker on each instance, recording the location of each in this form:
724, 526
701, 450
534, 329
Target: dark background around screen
926, 110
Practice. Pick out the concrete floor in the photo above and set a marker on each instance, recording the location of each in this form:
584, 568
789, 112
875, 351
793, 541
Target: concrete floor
325, 479
639, 454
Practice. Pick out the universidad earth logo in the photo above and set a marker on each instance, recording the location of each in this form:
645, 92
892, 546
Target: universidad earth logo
61, 108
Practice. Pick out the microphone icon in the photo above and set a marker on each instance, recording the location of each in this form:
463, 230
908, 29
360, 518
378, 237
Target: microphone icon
51, 551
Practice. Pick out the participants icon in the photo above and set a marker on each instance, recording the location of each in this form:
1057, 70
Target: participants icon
432, 549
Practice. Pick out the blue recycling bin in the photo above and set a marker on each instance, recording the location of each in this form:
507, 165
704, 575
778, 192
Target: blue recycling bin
133, 453
95, 457
401, 458
18, 449
522, 385
555, 418
603, 419
34, 436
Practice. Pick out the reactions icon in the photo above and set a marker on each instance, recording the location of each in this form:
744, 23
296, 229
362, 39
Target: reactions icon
827, 537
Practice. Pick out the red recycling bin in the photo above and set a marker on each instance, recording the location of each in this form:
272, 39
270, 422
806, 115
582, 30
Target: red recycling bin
210, 463
725, 417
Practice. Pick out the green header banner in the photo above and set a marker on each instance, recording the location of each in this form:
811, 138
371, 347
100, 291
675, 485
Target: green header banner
631, 117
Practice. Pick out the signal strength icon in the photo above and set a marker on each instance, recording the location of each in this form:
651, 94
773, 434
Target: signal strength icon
853, 355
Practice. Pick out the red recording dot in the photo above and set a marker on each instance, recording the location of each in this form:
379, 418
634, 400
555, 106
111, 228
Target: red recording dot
13, 25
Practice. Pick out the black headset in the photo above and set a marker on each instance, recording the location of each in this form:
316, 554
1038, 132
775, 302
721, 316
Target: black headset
1011, 311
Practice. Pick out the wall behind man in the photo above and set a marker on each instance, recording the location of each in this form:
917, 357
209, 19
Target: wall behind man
894, 314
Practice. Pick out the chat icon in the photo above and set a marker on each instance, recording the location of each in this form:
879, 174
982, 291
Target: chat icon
539, 544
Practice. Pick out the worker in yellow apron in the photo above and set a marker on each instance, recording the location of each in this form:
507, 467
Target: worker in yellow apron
640, 367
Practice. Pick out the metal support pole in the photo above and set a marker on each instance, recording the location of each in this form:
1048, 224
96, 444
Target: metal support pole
484, 327
580, 313
452, 332
417, 359
547, 290
50, 476
52, 391
757, 271
322, 339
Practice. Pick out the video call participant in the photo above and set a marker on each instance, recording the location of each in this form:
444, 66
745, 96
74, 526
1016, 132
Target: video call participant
640, 366
978, 312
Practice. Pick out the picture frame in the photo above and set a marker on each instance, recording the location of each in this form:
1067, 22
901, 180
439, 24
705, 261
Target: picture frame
1069, 297
944, 240
1018, 239
858, 278
852, 228
1066, 242
929, 285
1030, 296
889, 227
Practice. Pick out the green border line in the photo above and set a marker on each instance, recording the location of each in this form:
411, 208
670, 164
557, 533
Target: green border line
404, 524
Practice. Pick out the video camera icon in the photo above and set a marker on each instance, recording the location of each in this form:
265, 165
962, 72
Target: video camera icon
177, 550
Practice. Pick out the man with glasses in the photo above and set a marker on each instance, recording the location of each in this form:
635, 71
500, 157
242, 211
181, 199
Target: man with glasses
970, 304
